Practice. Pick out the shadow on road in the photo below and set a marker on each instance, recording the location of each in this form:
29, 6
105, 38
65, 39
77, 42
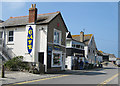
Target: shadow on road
80, 72
92, 73
109, 68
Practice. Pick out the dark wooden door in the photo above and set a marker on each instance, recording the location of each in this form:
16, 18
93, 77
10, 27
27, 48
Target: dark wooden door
41, 57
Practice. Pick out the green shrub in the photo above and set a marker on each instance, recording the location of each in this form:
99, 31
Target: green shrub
16, 64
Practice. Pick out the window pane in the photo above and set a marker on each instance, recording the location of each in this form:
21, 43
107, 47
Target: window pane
68, 43
10, 39
73, 45
77, 46
10, 33
56, 37
56, 59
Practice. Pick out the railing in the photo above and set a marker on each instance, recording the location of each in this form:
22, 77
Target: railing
6, 51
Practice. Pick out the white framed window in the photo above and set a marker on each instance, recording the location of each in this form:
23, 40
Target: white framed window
68, 43
56, 59
57, 37
10, 36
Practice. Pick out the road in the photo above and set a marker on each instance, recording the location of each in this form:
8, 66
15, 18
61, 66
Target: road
107, 75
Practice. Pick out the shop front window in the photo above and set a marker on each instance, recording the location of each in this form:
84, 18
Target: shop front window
56, 59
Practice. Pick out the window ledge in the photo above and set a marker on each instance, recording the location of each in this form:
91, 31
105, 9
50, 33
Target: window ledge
10, 43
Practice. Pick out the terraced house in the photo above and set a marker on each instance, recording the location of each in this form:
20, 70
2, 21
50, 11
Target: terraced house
90, 46
74, 51
40, 38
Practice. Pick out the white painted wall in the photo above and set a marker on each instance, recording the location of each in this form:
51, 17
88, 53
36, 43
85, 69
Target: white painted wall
86, 51
112, 59
19, 46
41, 43
91, 55
19, 41
69, 62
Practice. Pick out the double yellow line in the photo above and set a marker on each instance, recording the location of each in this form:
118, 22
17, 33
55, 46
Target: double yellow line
108, 80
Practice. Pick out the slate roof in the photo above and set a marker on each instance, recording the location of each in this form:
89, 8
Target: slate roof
99, 53
87, 38
103, 53
23, 20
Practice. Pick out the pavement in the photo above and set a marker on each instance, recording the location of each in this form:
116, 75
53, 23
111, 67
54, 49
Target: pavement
12, 77
15, 77
106, 75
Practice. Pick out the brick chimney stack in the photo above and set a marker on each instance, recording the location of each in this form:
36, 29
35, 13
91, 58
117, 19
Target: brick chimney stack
81, 36
33, 14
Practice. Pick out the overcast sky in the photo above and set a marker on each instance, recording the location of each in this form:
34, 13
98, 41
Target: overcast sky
98, 18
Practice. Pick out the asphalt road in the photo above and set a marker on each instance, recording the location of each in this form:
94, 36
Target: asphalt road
107, 75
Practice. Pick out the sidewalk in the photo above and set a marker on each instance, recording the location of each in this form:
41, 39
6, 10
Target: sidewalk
14, 77
17, 76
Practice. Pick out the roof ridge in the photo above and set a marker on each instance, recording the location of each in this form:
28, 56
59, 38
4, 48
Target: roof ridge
37, 14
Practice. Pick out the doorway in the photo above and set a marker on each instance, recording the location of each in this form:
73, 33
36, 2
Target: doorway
41, 57
41, 62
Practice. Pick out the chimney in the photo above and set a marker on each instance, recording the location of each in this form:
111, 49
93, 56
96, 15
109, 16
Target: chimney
81, 36
33, 14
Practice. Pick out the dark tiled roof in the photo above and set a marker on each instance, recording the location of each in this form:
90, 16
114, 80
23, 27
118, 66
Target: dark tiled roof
87, 38
23, 20
103, 53
99, 53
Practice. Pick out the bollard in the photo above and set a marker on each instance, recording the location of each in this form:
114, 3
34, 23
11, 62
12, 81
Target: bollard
3, 73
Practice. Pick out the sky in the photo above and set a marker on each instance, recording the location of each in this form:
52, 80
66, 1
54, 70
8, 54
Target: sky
97, 18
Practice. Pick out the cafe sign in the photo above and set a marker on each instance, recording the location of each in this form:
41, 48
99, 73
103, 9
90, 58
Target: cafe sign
30, 40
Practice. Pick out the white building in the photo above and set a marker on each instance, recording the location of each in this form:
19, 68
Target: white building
74, 51
40, 38
90, 46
